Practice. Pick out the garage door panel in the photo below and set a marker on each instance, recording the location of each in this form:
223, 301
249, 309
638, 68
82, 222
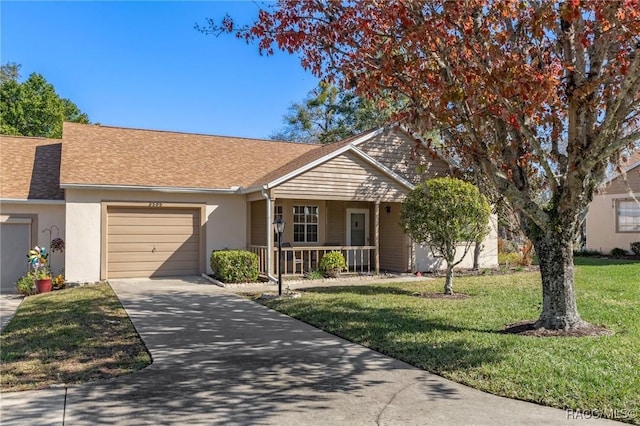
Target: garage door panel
116, 248
151, 221
145, 242
157, 257
176, 240
149, 269
150, 230
15, 239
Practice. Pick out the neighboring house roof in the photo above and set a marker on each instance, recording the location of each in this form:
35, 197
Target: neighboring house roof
630, 167
30, 168
95, 155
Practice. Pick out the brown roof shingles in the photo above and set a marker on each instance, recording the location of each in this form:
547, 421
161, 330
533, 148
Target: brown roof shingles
99, 155
30, 168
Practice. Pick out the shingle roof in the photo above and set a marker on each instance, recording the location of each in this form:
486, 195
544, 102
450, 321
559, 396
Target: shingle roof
30, 168
101, 155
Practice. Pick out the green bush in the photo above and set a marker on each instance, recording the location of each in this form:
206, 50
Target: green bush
333, 262
234, 266
635, 248
618, 252
314, 275
511, 259
26, 285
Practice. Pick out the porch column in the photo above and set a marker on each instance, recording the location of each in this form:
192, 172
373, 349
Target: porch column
376, 235
269, 235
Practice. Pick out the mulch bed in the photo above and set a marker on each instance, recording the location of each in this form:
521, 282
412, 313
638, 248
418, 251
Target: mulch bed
527, 328
468, 272
454, 296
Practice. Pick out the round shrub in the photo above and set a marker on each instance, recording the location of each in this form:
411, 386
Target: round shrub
618, 252
333, 263
635, 248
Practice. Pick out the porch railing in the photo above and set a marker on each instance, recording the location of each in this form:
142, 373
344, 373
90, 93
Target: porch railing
299, 260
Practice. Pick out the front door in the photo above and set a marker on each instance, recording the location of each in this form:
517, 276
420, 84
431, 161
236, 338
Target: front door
358, 235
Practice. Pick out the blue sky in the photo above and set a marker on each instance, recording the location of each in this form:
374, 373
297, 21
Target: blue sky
143, 65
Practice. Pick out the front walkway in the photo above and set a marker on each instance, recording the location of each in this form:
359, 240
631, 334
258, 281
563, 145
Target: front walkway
221, 359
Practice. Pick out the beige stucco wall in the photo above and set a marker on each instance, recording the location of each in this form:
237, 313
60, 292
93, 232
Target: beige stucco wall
49, 216
425, 261
225, 224
601, 224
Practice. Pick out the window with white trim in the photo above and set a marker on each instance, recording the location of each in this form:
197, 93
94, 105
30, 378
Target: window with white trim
628, 216
305, 224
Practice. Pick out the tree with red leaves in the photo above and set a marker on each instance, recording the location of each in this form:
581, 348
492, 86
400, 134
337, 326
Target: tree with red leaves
522, 91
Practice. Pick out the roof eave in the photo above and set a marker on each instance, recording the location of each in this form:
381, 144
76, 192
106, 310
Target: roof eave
617, 175
31, 201
232, 190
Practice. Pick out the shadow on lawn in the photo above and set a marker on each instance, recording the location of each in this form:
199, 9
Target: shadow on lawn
72, 340
222, 359
395, 331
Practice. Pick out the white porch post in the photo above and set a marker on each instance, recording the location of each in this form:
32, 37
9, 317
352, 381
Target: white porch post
270, 242
376, 235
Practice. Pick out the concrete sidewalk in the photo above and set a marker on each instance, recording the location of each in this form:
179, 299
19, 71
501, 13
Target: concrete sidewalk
221, 359
9, 303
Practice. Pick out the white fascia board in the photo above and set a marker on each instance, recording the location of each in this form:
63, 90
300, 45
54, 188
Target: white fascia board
29, 201
232, 190
325, 158
369, 135
424, 143
383, 168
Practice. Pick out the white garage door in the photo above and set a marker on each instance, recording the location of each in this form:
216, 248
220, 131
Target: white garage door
149, 242
15, 239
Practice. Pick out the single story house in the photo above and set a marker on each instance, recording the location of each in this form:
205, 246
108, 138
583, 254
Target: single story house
144, 203
613, 219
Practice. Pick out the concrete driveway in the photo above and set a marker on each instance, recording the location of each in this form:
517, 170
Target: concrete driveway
220, 359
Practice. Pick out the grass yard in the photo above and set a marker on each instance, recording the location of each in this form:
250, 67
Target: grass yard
69, 336
460, 339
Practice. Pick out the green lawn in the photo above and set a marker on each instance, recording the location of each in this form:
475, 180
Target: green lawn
460, 339
69, 336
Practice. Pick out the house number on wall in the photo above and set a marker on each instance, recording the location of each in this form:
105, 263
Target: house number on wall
155, 204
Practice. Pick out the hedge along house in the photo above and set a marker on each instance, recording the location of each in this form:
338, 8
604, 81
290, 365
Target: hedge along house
142, 203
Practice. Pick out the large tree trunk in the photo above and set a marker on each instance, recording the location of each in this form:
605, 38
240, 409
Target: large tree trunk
476, 255
448, 282
559, 309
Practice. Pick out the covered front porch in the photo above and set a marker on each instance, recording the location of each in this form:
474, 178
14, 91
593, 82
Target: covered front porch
367, 233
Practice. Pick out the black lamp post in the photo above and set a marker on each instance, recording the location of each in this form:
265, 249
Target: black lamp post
278, 225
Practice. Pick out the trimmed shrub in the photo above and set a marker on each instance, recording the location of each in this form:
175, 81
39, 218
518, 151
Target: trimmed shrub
333, 263
234, 266
635, 248
618, 252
